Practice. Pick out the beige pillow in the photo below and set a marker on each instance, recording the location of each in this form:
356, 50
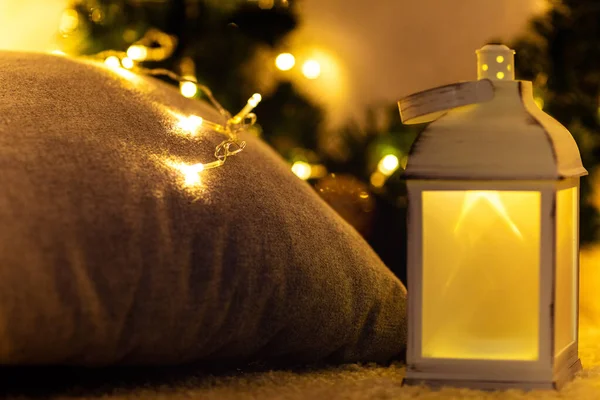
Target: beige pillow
109, 256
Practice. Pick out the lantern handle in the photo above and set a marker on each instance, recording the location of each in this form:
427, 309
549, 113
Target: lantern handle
428, 105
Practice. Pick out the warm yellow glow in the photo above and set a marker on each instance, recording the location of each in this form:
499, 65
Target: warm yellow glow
377, 179
540, 102
499, 59
188, 89
388, 164
500, 75
480, 284
129, 35
97, 15
484, 67
137, 52
112, 62
302, 170
285, 61
565, 293
69, 21
493, 198
127, 62
311, 69
266, 4
190, 124
509, 67
255, 99
191, 173
58, 52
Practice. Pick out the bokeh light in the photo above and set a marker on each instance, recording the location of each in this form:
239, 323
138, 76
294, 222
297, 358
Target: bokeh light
302, 170
137, 52
190, 124
311, 69
285, 61
540, 102
388, 164
188, 89
69, 21
112, 62
127, 63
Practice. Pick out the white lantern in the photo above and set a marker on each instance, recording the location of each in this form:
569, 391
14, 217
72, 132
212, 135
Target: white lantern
493, 186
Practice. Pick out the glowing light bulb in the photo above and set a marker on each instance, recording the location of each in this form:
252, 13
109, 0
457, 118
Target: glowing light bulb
191, 123
311, 69
499, 59
255, 99
112, 62
137, 52
191, 174
500, 75
69, 21
302, 170
285, 61
484, 67
388, 164
188, 89
127, 62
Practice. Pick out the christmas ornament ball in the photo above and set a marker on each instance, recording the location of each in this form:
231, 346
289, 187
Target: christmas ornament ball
351, 199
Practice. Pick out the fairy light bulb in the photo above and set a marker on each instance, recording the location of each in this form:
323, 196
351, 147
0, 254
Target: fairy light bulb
127, 63
302, 170
190, 124
254, 100
112, 62
137, 52
188, 89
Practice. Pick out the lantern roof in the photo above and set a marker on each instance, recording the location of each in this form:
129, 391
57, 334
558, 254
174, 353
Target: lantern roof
489, 129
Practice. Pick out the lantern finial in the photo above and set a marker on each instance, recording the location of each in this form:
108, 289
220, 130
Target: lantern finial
496, 62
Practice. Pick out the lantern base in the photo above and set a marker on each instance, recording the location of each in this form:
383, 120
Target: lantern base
562, 377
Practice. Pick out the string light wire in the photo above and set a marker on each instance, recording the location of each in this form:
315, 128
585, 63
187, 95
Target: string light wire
244, 119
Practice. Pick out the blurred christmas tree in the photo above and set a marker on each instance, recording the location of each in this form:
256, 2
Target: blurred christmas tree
561, 55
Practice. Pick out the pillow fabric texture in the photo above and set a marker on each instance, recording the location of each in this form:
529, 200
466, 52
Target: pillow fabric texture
109, 254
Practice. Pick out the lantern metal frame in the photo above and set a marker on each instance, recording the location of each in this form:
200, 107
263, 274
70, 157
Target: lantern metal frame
549, 370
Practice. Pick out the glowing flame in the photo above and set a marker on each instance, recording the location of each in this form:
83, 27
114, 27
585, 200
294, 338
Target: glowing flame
493, 197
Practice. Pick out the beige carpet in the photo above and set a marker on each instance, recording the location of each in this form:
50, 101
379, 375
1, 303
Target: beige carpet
345, 382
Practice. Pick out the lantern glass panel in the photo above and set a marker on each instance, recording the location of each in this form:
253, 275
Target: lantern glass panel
565, 302
481, 268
